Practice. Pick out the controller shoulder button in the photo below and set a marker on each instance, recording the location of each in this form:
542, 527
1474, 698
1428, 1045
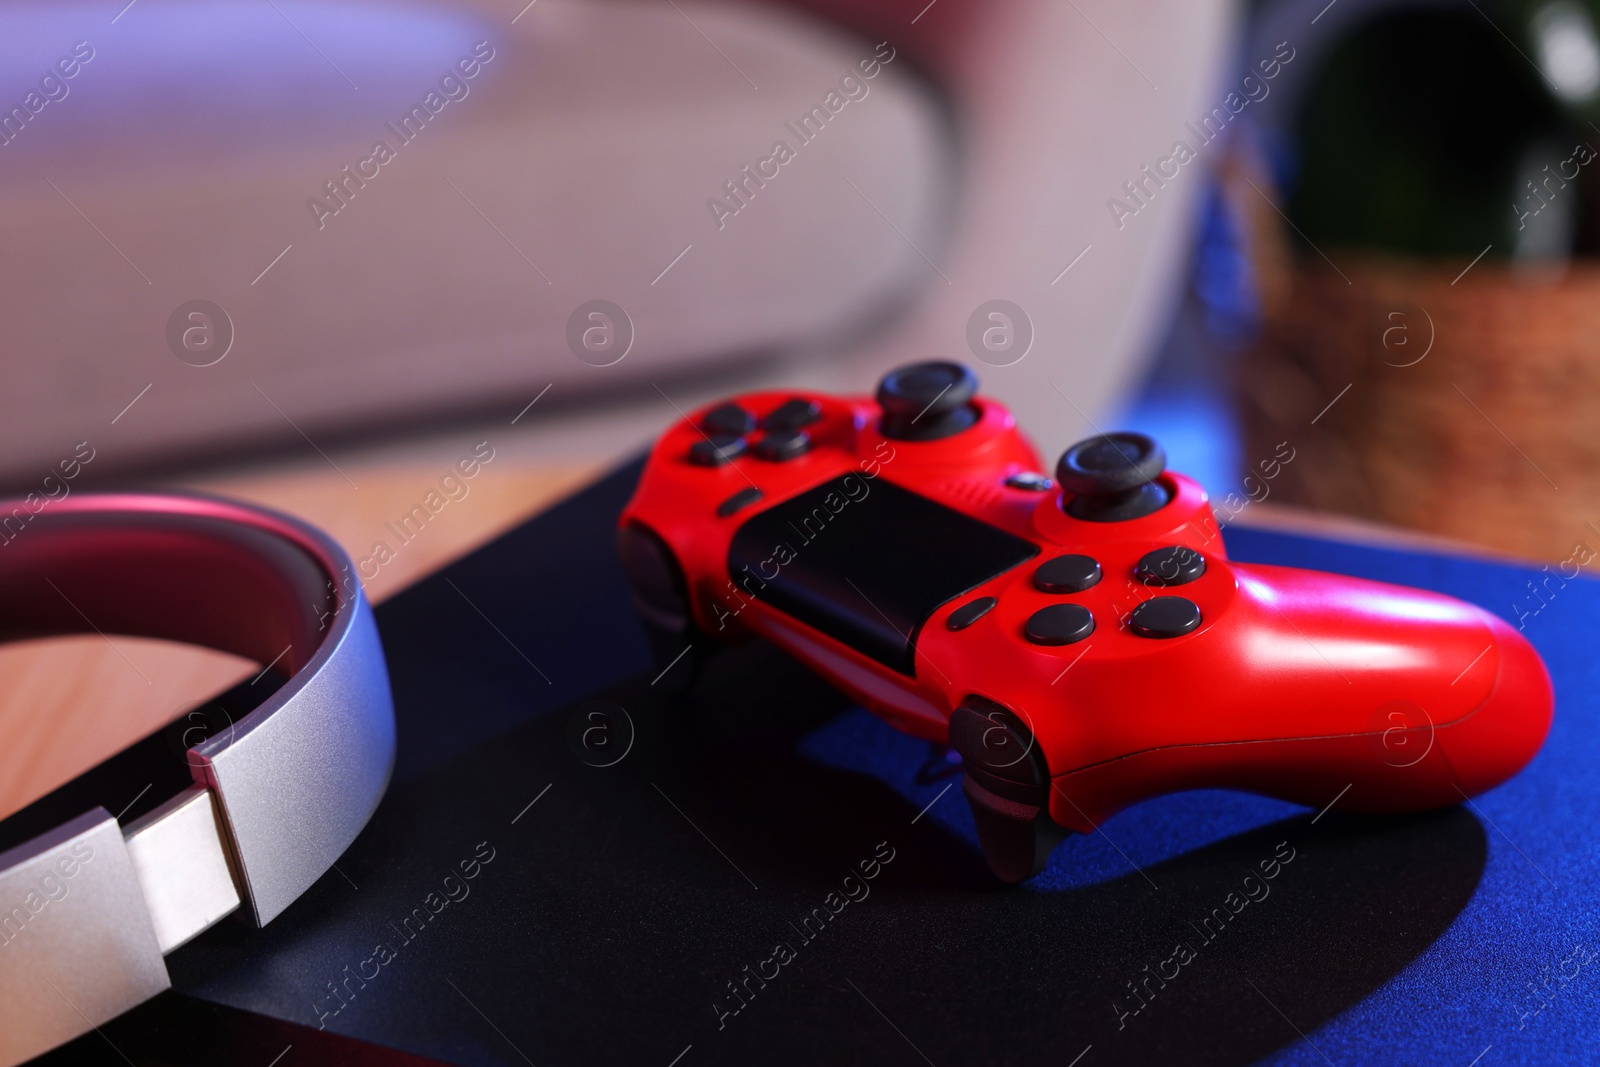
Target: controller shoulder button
969, 613
1067, 574
1164, 616
780, 446
998, 746
1059, 624
1173, 565
728, 418
792, 414
716, 449
738, 502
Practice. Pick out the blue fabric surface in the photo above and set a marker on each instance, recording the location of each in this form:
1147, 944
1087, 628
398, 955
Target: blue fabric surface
1515, 978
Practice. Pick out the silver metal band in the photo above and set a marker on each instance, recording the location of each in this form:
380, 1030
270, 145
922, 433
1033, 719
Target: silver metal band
88, 910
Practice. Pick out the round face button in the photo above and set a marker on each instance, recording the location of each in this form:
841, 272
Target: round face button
1066, 574
1174, 565
728, 419
1059, 624
1164, 616
970, 612
781, 445
792, 414
716, 449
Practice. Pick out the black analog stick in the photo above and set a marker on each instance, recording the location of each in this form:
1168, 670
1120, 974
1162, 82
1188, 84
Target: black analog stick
1112, 477
927, 401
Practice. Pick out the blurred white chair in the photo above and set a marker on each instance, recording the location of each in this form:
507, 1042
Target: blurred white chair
181, 164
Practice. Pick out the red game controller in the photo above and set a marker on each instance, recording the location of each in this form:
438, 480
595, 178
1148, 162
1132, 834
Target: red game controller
1084, 642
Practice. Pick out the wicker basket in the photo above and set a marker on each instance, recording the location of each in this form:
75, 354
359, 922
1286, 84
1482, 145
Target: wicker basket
1459, 400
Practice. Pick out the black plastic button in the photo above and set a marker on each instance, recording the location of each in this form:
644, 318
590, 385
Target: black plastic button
729, 419
738, 501
1032, 481
781, 445
970, 612
717, 449
1059, 624
1174, 565
1067, 574
927, 401
1112, 478
1000, 747
792, 414
1164, 616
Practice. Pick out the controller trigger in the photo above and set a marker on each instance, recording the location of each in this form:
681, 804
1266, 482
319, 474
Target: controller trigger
1007, 783
1016, 838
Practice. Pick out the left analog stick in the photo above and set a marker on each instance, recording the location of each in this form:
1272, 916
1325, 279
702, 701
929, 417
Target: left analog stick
927, 401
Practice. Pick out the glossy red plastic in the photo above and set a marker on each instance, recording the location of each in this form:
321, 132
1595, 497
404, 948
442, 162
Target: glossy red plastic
1313, 687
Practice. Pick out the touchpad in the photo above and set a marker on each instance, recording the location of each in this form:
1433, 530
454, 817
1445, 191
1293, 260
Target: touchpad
866, 562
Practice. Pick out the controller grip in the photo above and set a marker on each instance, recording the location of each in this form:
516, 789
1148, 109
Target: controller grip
1402, 761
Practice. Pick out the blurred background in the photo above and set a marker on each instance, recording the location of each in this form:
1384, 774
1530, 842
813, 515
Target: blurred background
1338, 256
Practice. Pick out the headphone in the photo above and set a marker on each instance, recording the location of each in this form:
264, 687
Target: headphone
89, 908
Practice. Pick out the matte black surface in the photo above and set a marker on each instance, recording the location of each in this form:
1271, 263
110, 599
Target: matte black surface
792, 414
1164, 616
1059, 624
728, 419
608, 924
1173, 565
174, 1029
716, 449
969, 613
870, 562
738, 502
1067, 574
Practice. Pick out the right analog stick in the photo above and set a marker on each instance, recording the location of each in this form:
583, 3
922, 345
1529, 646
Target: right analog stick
1112, 477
